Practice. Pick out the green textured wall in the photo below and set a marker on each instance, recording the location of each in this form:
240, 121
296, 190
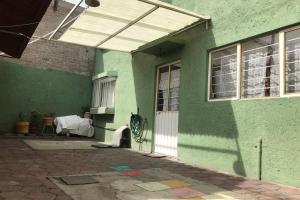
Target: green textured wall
25, 89
134, 88
218, 135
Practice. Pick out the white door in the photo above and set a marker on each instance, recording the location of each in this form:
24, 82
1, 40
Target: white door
167, 109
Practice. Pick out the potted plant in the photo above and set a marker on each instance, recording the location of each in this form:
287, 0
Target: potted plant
48, 120
22, 126
36, 122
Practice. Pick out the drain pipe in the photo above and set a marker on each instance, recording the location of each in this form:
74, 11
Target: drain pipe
260, 160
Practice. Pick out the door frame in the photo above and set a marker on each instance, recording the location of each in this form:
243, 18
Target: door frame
156, 93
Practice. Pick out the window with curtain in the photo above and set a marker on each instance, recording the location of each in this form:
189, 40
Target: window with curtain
260, 67
163, 89
168, 88
174, 88
292, 75
224, 73
104, 92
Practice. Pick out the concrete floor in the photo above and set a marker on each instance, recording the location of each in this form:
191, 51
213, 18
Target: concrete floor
24, 172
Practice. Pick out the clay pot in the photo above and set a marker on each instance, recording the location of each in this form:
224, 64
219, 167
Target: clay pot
35, 128
48, 121
22, 127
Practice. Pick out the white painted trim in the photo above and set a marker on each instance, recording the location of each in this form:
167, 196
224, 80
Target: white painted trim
291, 29
209, 77
283, 33
107, 74
224, 99
169, 63
222, 48
282, 63
239, 70
288, 95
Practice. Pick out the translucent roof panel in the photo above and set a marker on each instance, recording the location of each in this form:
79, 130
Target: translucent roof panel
125, 25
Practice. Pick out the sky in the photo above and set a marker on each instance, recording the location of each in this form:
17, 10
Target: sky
75, 2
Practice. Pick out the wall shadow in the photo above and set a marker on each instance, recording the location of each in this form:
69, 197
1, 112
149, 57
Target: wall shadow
207, 128
100, 123
208, 134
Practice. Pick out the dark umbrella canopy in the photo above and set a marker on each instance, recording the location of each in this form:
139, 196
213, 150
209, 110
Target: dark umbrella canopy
13, 13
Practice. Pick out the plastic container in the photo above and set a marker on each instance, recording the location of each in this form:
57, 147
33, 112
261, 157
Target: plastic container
22, 127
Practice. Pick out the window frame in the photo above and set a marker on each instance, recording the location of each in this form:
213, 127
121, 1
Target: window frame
238, 48
282, 40
281, 71
278, 69
114, 78
158, 67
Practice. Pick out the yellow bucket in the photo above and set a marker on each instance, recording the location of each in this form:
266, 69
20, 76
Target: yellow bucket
22, 127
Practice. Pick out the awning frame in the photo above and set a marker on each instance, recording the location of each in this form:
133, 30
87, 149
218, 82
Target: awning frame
169, 31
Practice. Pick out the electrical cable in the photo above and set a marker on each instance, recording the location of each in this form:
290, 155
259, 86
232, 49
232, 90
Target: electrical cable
39, 38
19, 25
21, 34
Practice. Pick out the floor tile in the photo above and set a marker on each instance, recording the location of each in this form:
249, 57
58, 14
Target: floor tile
195, 198
133, 173
126, 185
121, 168
213, 197
153, 186
175, 183
185, 193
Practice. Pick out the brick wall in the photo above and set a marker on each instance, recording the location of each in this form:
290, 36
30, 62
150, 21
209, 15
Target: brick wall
56, 55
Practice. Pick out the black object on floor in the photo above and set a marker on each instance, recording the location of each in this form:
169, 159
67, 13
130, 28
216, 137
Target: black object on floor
78, 180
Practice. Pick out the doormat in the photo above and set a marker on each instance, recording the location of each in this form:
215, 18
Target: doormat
59, 145
78, 180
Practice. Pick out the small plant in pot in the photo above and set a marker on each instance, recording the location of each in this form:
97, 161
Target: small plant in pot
22, 125
49, 119
36, 122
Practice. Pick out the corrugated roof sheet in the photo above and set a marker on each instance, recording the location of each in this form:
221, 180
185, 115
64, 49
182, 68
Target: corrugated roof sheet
125, 25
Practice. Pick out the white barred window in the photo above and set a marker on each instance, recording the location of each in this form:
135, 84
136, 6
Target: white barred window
262, 67
104, 92
223, 73
292, 64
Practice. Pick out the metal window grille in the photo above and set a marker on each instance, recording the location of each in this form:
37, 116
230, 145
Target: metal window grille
168, 88
292, 68
260, 73
104, 92
224, 73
